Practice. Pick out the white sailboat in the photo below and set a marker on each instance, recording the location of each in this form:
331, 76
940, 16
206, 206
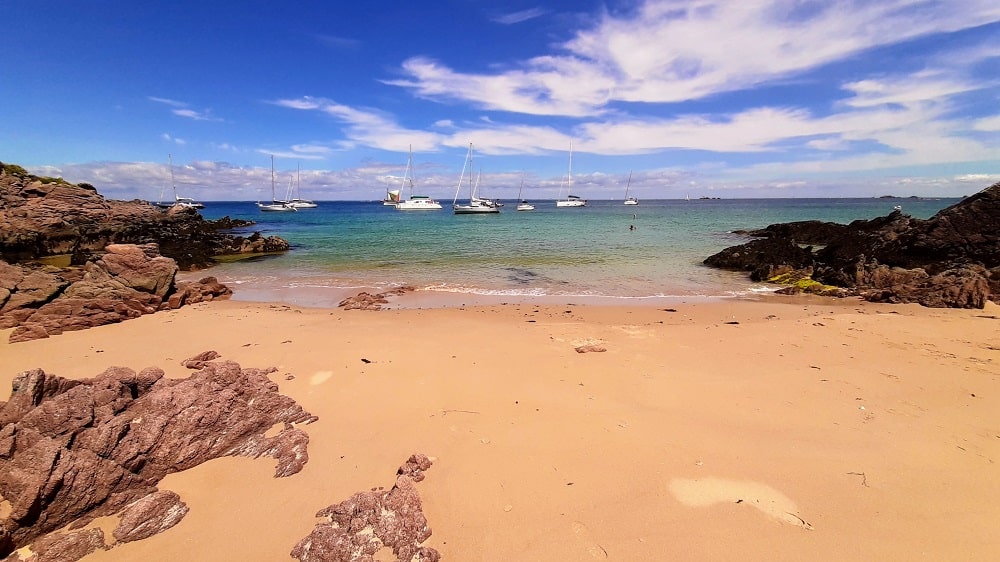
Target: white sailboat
415, 202
630, 200
275, 205
186, 202
476, 206
523, 205
570, 200
297, 201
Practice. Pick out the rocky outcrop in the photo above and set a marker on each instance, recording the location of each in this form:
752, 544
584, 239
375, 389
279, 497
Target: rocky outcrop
42, 217
126, 282
949, 260
73, 450
362, 525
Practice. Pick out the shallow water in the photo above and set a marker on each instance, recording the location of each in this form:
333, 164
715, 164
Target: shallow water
552, 254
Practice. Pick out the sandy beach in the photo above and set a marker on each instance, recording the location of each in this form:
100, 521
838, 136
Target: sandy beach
784, 428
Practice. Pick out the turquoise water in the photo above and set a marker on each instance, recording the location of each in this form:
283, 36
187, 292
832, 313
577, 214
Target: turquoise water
344, 247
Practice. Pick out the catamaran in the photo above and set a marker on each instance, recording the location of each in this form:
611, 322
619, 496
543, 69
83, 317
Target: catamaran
570, 200
415, 202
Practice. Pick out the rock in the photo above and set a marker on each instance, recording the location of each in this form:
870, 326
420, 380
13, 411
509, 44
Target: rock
590, 348
139, 267
47, 217
127, 282
949, 260
74, 450
64, 547
150, 515
204, 290
961, 287
361, 526
367, 301
199, 361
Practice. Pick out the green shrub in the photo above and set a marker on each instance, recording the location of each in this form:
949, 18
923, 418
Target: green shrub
15, 170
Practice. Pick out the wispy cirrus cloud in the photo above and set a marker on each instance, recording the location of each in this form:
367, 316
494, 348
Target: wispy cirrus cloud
181, 109
337, 42
520, 16
366, 126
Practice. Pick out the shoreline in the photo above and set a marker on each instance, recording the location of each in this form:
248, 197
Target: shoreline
318, 297
787, 427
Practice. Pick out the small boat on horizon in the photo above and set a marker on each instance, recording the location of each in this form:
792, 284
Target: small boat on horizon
476, 205
570, 200
276, 205
185, 202
297, 202
415, 202
629, 200
523, 205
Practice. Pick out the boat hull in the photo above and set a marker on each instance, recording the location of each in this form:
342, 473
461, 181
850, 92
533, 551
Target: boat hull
475, 210
418, 205
275, 208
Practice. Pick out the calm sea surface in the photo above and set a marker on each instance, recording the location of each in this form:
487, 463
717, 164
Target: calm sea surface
555, 254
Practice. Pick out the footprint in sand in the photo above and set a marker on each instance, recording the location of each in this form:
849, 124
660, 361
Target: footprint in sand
583, 535
705, 492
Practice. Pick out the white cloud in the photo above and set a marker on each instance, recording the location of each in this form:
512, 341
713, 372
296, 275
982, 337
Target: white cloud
521, 16
987, 124
181, 109
170, 102
196, 115
668, 51
923, 86
617, 83
368, 127
175, 140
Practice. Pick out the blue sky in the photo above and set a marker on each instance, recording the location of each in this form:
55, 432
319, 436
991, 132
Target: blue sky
753, 98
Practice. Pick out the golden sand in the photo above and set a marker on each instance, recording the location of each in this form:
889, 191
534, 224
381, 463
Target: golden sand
783, 429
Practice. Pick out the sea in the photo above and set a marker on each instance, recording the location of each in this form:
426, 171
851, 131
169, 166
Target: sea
605, 253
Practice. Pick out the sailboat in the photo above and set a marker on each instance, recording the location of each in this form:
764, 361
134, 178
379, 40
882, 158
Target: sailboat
275, 205
297, 201
185, 202
391, 195
630, 200
415, 202
523, 205
570, 200
476, 205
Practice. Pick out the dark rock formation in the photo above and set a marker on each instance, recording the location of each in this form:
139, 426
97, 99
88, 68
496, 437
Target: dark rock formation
368, 301
949, 260
42, 217
73, 450
359, 527
126, 282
